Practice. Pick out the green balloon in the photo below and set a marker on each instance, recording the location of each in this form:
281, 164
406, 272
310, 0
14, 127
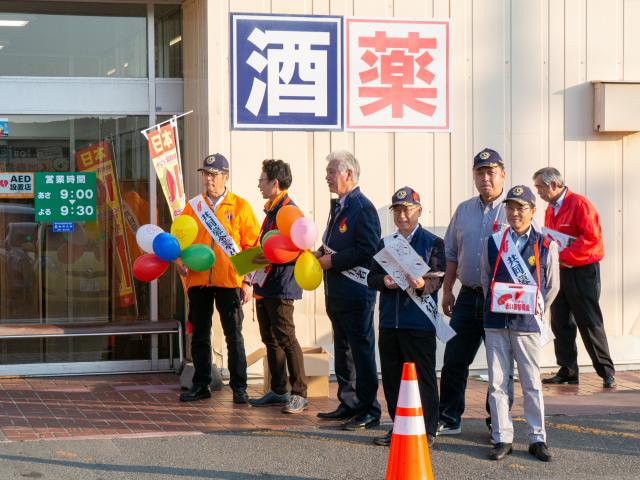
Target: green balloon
267, 235
198, 257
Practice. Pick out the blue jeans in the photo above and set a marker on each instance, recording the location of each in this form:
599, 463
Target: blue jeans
355, 360
459, 353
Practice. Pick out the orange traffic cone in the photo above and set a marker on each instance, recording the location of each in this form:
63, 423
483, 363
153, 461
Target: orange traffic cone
409, 453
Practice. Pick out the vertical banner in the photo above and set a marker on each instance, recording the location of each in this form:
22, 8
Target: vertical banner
98, 158
397, 75
165, 155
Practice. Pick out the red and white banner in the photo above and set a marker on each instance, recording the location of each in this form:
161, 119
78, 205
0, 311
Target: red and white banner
99, 158
165, 155
397, 75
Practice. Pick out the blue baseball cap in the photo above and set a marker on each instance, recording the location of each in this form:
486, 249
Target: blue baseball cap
405, 196
215, 163
521, 194
487, 158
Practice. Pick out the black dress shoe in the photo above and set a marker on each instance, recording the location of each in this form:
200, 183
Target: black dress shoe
240, 396
197, 392
609, 382
560, 379
500, 450
540, 451
340, 413
385, 440
362, 420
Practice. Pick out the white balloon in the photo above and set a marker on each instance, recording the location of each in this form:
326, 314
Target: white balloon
146, 234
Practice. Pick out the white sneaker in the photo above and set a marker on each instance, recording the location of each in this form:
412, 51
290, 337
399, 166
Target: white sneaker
296, 404
444, 429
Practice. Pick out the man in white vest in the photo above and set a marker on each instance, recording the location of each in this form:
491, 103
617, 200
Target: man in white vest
521, 277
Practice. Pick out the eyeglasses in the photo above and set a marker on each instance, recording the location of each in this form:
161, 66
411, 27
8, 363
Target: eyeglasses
210, 174
521, 209
408, 210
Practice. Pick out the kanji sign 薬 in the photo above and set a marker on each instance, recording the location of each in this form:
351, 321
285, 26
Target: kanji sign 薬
65, 197
286, 72
397, 75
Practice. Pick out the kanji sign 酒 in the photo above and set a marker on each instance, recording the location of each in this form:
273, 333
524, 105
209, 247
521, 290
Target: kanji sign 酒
65, 197
286, 72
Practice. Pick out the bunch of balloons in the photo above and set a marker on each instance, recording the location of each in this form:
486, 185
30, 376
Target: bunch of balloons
295, 237
162, 247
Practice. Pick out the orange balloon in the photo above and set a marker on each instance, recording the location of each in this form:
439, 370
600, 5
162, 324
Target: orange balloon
285, 218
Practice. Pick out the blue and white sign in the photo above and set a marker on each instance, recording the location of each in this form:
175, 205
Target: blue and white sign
63, 227
4, 127
286, 72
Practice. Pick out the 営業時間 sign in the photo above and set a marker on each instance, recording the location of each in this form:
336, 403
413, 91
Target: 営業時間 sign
65, 197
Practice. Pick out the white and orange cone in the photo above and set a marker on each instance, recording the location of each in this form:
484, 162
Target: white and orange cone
409, 454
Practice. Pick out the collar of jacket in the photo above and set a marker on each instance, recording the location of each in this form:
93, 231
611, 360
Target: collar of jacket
272, 204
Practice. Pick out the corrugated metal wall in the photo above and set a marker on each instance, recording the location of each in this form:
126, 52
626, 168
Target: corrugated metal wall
521, 73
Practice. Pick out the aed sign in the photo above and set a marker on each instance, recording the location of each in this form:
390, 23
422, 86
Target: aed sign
65, 197
16, 185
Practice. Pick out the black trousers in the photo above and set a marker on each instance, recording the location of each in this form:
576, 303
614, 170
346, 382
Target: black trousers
397, 346
576, 308
278, 333
459, 353
354, 351
229, 306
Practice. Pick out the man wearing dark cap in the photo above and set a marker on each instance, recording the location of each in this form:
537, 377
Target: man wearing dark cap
407, 334
577, 305
227, 224
473, 222
521, 277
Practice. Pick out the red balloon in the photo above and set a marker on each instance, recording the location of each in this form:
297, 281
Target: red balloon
148, 267
280, 249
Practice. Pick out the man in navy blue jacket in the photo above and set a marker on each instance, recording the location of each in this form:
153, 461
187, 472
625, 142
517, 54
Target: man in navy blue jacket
406, 333
349, 242
274, 303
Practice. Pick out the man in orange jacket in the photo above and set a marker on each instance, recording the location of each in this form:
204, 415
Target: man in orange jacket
236, 229
575, 225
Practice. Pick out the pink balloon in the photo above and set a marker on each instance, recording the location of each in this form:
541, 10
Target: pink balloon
304, 233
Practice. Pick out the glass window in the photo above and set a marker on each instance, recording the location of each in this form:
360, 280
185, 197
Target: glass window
86, 275
73, 39
168, 35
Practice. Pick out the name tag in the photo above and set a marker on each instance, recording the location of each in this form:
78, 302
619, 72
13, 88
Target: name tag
514, 298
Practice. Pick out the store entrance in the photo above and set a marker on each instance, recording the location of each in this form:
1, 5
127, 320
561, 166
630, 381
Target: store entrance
84, 275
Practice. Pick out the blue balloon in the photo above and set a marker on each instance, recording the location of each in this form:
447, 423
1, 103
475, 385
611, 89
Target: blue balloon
166, 246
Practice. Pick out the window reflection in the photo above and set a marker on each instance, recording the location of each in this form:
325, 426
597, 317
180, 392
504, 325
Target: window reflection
73, 40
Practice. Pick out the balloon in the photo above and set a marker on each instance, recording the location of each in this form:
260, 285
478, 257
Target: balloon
307, 272
166, 246
185, 229
304, 233
267, 235
280, 249
198, 257
148, 267
145, 236
285, 218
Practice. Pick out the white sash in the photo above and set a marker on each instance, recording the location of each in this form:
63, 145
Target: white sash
213, 225
357, 274
519, 273
429, 307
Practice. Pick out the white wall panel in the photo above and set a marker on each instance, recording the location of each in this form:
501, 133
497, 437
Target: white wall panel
520, 83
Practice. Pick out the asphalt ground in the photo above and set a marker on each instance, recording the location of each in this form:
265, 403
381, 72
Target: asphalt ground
584, 448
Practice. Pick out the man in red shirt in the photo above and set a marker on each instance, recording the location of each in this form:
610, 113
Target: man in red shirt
573, 222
